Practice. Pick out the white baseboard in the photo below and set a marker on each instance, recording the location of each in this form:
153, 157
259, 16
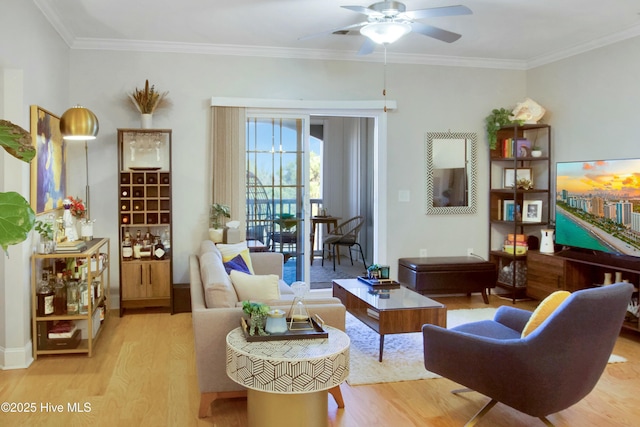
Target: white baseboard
16, 358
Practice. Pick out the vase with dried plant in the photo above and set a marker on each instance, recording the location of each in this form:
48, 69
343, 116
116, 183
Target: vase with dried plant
147, 100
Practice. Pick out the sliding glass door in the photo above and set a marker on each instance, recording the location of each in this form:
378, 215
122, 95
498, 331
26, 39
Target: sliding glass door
277, 188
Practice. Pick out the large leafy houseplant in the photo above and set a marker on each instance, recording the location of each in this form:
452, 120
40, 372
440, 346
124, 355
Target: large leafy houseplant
16, 216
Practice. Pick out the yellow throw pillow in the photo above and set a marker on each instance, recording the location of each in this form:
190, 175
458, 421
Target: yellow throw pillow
230, 251
255, 288
544, 310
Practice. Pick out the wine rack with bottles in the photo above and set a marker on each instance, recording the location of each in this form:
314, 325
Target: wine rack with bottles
144, 162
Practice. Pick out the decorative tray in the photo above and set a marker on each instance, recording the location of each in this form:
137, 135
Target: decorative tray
379, 282
152, 168
302, 334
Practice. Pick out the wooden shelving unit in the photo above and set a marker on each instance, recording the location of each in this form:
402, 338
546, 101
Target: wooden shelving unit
509, 166
100, 271
144, 194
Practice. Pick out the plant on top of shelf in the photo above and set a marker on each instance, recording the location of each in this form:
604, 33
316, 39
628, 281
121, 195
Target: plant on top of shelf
217, 213
16, 216
147, 100
498, 118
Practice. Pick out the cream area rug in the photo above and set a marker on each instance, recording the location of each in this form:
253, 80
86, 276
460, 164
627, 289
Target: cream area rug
403, 357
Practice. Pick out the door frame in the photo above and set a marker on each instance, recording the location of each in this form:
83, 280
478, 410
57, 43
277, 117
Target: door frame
376, 109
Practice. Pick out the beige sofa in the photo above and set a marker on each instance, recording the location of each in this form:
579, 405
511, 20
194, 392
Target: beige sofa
216, 311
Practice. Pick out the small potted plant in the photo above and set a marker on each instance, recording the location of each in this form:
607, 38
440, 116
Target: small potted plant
257, 316
217, 213
373, 271
536, 151
45, 230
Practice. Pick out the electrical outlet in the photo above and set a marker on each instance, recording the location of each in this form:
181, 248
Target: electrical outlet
423, 253
469, 251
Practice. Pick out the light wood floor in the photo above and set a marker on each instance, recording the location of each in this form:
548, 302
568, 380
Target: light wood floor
143, 374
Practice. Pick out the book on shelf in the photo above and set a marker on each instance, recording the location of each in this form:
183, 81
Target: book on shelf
76, 246
63, 329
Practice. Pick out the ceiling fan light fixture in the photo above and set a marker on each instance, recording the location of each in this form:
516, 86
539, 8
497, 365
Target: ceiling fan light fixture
385, 32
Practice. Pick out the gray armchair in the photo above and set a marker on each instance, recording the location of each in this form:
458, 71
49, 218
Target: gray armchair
552, 368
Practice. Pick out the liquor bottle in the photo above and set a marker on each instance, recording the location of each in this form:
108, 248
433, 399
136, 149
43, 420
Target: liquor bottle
72, 297
83, 293
45, 297
158, 251
137, 245
60, 296
127, 248
146, 249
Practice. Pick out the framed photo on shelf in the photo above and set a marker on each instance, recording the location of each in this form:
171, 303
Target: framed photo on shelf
532, 211
510, 178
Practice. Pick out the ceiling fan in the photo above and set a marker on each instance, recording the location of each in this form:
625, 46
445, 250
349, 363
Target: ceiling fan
388, 21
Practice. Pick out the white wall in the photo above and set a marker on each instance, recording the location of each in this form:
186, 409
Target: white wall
430, 98
593, 102
34, 64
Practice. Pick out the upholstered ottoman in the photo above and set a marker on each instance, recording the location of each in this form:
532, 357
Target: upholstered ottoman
447, 275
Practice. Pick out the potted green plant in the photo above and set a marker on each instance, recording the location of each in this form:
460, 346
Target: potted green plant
16, 216
45, 230
536, 151
257, 316
217, 213
498, 118
373, 271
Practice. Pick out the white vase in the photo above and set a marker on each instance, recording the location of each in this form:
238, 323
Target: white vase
146, 121
536, 153
216, 235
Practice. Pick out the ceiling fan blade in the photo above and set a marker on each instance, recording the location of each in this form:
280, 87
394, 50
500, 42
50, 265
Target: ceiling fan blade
362, 9
435, 12
367, 47
329, 32
435, 32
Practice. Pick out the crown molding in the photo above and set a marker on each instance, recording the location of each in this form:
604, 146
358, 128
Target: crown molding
56, 22
293, 53
631, 32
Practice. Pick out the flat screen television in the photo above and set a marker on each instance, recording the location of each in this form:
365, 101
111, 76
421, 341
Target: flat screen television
598, 209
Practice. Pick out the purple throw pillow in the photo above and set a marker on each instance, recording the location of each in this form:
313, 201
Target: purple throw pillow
236, 263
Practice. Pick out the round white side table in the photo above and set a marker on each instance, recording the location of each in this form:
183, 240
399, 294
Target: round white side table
288, 380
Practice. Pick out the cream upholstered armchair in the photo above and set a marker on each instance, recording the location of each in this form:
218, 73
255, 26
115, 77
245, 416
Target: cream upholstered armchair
557, 364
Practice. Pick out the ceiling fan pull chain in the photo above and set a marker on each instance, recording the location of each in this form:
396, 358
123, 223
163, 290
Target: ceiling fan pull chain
384, 79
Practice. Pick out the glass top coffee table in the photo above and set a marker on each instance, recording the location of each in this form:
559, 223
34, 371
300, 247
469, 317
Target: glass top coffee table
389, 309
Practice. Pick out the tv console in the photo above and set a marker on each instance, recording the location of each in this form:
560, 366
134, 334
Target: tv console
573, 270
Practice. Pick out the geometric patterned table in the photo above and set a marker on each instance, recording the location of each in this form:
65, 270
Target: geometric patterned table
288, 377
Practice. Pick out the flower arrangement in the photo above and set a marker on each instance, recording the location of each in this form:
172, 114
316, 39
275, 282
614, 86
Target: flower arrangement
77, 208
148, 99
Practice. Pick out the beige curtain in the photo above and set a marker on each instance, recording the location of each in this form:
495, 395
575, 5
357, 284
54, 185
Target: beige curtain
228, 162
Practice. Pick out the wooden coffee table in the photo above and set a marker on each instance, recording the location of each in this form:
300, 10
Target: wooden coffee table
389, 309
